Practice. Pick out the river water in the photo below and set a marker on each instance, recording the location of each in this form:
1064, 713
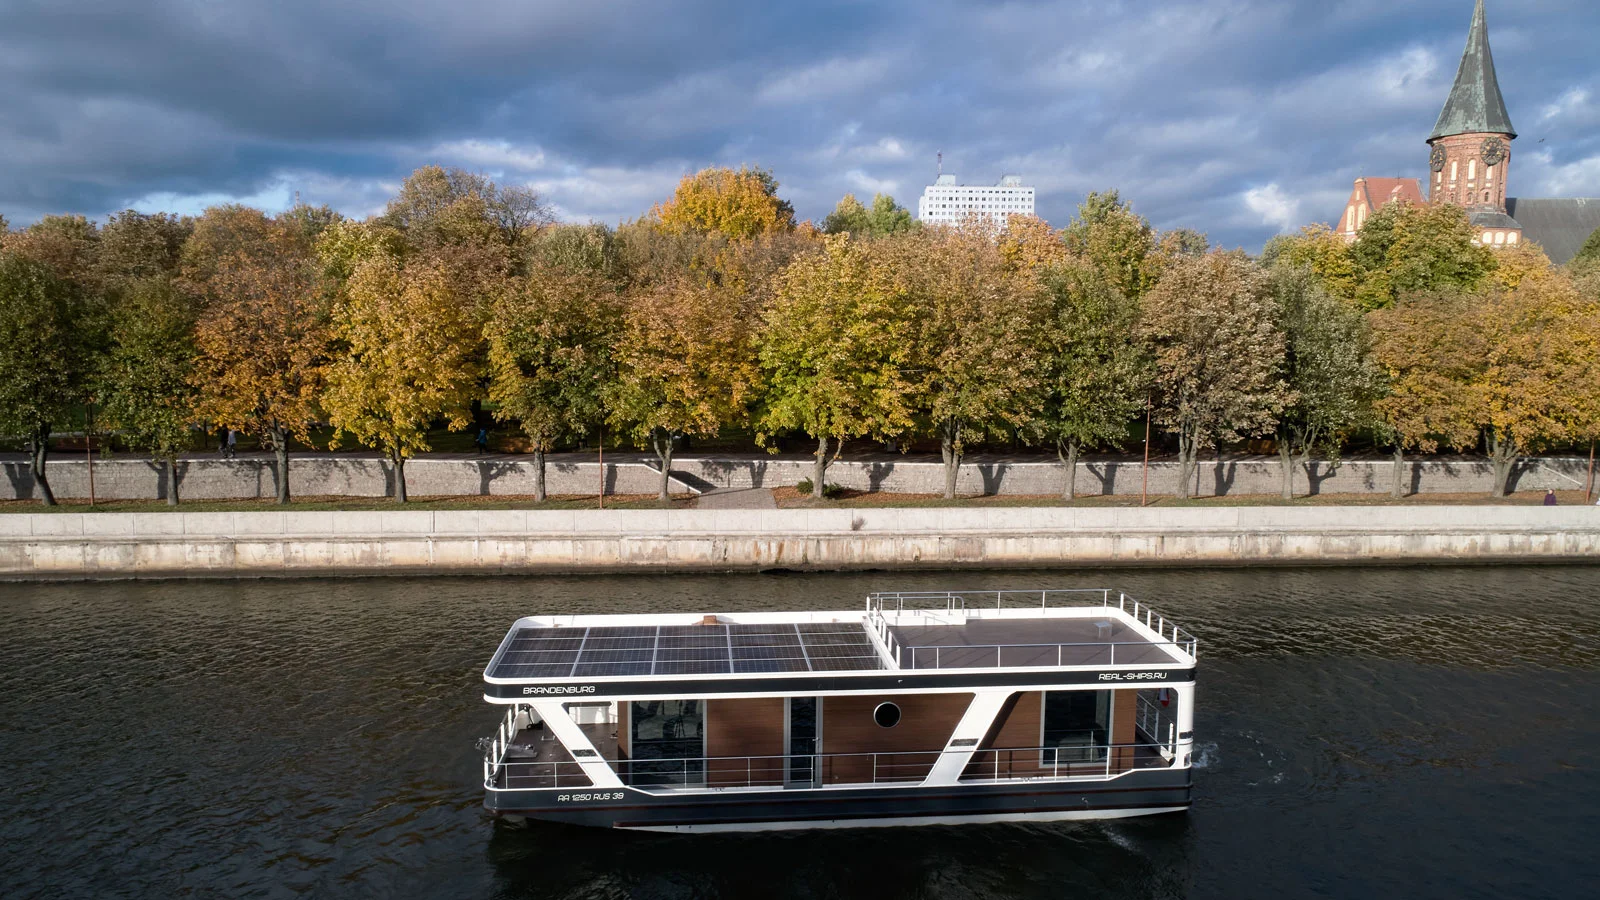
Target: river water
1363, 733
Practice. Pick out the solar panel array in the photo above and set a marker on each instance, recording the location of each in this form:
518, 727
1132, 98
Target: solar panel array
686, 650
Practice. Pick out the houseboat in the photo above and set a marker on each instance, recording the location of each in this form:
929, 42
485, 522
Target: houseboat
919, 708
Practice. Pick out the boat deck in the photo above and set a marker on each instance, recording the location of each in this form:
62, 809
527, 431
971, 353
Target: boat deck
1016, 642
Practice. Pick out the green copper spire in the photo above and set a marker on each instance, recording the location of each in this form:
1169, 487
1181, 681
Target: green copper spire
1475, 104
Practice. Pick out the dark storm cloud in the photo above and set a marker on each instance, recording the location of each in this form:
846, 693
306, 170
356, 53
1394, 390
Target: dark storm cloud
1239, 117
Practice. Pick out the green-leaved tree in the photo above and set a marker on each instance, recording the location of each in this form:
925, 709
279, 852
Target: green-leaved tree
834, 352
146, 385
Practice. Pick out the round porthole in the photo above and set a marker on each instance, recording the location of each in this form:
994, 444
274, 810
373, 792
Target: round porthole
887, 715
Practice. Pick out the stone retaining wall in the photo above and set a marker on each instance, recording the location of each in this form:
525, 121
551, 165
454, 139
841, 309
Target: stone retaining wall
124, 545
355, 476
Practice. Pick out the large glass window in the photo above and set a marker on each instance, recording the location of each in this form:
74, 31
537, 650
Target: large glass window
1077, 726
668, 741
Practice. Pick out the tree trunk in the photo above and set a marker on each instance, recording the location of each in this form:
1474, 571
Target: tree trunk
1186, 458
1502, 455
399, 477
172, 481
39, 444
819, 469
1397, 488
950, 450
1286, 462
1067, 452
539, 495
280, 450
661, 441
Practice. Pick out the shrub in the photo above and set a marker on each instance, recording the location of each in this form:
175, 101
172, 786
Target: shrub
829, 491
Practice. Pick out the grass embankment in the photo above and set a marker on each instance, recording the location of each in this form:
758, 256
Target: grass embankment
788, 497
353, 504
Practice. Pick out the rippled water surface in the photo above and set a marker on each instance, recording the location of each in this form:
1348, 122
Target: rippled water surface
1364, 733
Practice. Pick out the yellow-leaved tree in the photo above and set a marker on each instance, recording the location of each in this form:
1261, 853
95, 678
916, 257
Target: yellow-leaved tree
405, 358
685, 366
738, 204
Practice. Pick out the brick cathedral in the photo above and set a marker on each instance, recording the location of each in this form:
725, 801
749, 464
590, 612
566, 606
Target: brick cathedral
1469, 165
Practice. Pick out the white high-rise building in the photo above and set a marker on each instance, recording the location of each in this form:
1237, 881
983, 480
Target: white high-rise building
946, 203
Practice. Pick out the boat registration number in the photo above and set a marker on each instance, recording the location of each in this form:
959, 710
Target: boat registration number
580, 798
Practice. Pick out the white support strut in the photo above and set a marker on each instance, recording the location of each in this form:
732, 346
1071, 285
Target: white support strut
974, 724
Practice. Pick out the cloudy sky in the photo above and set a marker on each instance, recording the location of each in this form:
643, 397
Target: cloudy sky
1240, 118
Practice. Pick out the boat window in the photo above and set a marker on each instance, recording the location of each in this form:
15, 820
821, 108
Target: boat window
668, 741
887, 715
1077, 726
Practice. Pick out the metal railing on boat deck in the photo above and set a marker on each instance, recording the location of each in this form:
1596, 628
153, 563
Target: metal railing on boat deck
836, 769
979, 655
494, 752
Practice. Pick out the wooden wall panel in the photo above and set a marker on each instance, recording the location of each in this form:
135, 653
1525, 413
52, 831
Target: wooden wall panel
743, 728
926, 723
624, 728
1124, 716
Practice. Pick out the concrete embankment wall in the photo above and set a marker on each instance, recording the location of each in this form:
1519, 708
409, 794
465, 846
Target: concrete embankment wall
355, 476
123, 545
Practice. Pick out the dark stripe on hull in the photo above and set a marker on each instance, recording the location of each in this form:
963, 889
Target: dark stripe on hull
915, 679
1134, 791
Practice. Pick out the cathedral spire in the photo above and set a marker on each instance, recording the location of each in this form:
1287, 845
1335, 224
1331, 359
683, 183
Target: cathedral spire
1475, 105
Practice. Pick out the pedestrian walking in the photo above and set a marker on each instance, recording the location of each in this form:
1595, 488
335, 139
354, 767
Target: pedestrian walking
482, 440
233, 443
222, 443
1550, 497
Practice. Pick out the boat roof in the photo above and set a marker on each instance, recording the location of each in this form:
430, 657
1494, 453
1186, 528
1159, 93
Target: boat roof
945, 632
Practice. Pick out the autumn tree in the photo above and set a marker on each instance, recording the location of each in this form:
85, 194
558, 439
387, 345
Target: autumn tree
1512, 369
834, 350
885, 217
225, 241
262, 334
43, 361
438, 207
68, 245
685, 366
1327, 367
1515, 264
1211, 324
403, 358
1095, 369
135, 246
1406, 249
1028, 242
1322, 252
146, 384
591, 249
551, 344
737, 204
978, 347
1114, 240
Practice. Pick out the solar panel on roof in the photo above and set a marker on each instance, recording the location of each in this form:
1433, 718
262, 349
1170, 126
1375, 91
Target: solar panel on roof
693, 667
595, 644
747, 666
772, 628
607, 669
624, 631
632, 650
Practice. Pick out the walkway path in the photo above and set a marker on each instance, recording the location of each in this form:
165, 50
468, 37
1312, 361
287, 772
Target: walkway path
737, 498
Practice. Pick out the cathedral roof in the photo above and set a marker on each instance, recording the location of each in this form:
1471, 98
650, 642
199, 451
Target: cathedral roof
1560, 226
1475, 104
1380, 191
